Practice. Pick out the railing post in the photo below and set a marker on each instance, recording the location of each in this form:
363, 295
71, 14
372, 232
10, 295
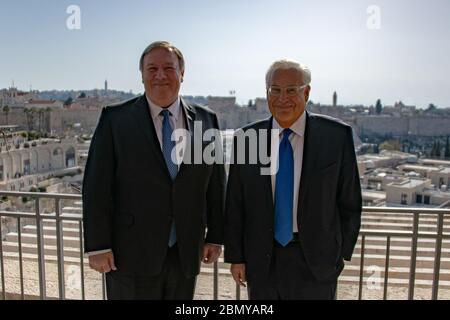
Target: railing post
41, 251
19, 237
386, 268
412, 269
361, 270
60, 249
80, 231
2, 267
104, 286
238, 292
437, 257
216, 281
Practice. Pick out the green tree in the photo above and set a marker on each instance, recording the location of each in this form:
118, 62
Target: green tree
431, 107
68, 101
390, 145
48, 112
28, 115
378, 107
41, 118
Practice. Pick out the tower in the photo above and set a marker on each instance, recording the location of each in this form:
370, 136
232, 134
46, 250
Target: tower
334, 99
106, 85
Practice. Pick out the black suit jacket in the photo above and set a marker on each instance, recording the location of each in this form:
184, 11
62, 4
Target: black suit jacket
130, 200
329, 203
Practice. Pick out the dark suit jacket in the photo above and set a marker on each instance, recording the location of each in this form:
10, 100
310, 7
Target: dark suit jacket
130, 201
329, 203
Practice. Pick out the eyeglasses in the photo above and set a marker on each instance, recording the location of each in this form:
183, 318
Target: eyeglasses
291, 91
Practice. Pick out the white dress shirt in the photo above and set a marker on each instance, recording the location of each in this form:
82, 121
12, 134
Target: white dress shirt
297, 140
176, 119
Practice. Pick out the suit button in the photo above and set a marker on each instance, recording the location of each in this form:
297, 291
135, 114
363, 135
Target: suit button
268, 255
270, 230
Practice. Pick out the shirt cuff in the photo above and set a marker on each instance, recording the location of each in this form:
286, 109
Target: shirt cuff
93, 253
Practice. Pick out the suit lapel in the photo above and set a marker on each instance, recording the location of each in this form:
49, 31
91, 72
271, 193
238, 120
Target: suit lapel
268, 178
189, 113
189, 116
143, 117
310, 149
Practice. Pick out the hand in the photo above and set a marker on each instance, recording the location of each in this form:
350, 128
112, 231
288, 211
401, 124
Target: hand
211, 253
102, 262
238, 272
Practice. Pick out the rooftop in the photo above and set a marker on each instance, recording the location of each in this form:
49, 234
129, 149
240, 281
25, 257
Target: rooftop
410, 183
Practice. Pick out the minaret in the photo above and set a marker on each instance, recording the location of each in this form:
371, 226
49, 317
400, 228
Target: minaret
334, 99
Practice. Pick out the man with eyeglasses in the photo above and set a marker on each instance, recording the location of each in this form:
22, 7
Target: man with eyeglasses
287, 234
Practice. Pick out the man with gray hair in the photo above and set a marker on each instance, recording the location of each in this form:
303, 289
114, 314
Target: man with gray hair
287, 234
145, 215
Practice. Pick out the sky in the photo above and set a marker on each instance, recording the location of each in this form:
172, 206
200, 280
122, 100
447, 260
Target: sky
398, 51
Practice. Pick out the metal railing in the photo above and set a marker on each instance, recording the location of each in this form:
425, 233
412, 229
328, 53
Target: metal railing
414, 234
58, 217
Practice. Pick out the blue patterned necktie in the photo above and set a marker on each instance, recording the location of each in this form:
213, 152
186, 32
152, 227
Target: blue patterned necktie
284, 191
168, 146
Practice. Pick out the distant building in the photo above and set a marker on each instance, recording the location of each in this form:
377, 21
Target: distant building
44, 104
417, 192
25, 163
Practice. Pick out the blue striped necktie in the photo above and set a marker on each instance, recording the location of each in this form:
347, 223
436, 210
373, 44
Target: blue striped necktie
168, 146
284, 191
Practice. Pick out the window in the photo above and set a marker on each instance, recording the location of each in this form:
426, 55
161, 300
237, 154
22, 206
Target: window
426, 199
441, 182
404, 198
419, 198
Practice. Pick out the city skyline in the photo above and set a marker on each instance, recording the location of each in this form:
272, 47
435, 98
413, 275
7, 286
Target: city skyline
242, 103
229, 46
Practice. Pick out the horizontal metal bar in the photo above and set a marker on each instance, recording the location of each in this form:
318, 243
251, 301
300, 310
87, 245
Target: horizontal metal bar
367, 209
413, 210
66, 216
41, 195
406, 210
403, 234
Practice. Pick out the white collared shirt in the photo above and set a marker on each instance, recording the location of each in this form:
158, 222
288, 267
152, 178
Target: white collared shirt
297, 139
176, 120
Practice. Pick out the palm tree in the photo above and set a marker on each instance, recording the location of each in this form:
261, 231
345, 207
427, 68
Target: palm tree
6, 112
41, 118
30, 118
48, 111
